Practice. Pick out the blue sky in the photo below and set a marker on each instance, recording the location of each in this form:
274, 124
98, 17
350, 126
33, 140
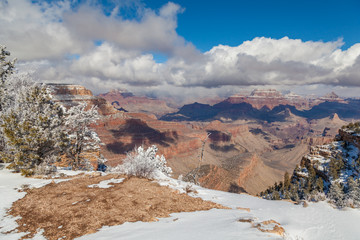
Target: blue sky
229, 22
188, 47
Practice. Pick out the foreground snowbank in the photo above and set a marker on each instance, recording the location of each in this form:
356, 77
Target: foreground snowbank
317, 221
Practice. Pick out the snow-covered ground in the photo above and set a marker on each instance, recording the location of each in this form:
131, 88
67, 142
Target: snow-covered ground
317, 221
9, 185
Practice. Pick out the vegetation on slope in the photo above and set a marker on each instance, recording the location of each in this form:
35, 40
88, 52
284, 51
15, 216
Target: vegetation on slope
330, 172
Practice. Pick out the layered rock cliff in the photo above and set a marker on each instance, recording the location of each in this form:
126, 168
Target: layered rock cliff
71, 94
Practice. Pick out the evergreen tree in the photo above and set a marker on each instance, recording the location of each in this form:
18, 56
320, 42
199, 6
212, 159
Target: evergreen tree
6, 69
312, 175
287, 194
353, 194
82, 137
357, 162
336, 195
33, 129
334, 168
320, 184
294, 192
31, 125
286, 181
6, 66
275, 195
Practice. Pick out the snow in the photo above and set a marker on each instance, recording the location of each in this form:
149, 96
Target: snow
69, 173
105, 183
9, 185
317, 221
211, 225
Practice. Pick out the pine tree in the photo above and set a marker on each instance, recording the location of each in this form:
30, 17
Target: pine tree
286, 181
357, 162
320, 184
287, 194
336, 195
82, 137
6, 66
333, 168
275, 195
31, 125
294, 192
33, 129
6, 69
312, 176
353, 194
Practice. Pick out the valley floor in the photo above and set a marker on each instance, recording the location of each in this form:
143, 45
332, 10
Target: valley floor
316, 221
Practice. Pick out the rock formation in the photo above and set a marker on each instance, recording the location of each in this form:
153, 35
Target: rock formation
122, 99
267, 105
269, 98
70, 95
240, 155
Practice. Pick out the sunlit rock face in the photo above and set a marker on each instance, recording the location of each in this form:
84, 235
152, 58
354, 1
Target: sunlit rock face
70, 95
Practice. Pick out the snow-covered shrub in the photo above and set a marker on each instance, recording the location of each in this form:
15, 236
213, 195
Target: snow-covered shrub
144, 163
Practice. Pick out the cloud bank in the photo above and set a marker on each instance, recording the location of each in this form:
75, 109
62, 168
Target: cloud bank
103, 51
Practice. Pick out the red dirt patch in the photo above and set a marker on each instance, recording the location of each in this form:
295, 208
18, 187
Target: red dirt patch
71, 209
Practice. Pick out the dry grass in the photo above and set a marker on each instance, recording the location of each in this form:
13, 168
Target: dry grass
244, 209
269, 226
71, 209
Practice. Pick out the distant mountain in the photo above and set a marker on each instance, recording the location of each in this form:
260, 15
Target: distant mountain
258, 99
273, 108
126, 101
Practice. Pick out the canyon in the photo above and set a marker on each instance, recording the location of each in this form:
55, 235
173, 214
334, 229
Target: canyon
246, 143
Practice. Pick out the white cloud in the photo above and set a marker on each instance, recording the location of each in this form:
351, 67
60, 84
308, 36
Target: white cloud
59, 41
284, 49
266, 61
110, 62
32, 31
41, 30
219, 67
152, 32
